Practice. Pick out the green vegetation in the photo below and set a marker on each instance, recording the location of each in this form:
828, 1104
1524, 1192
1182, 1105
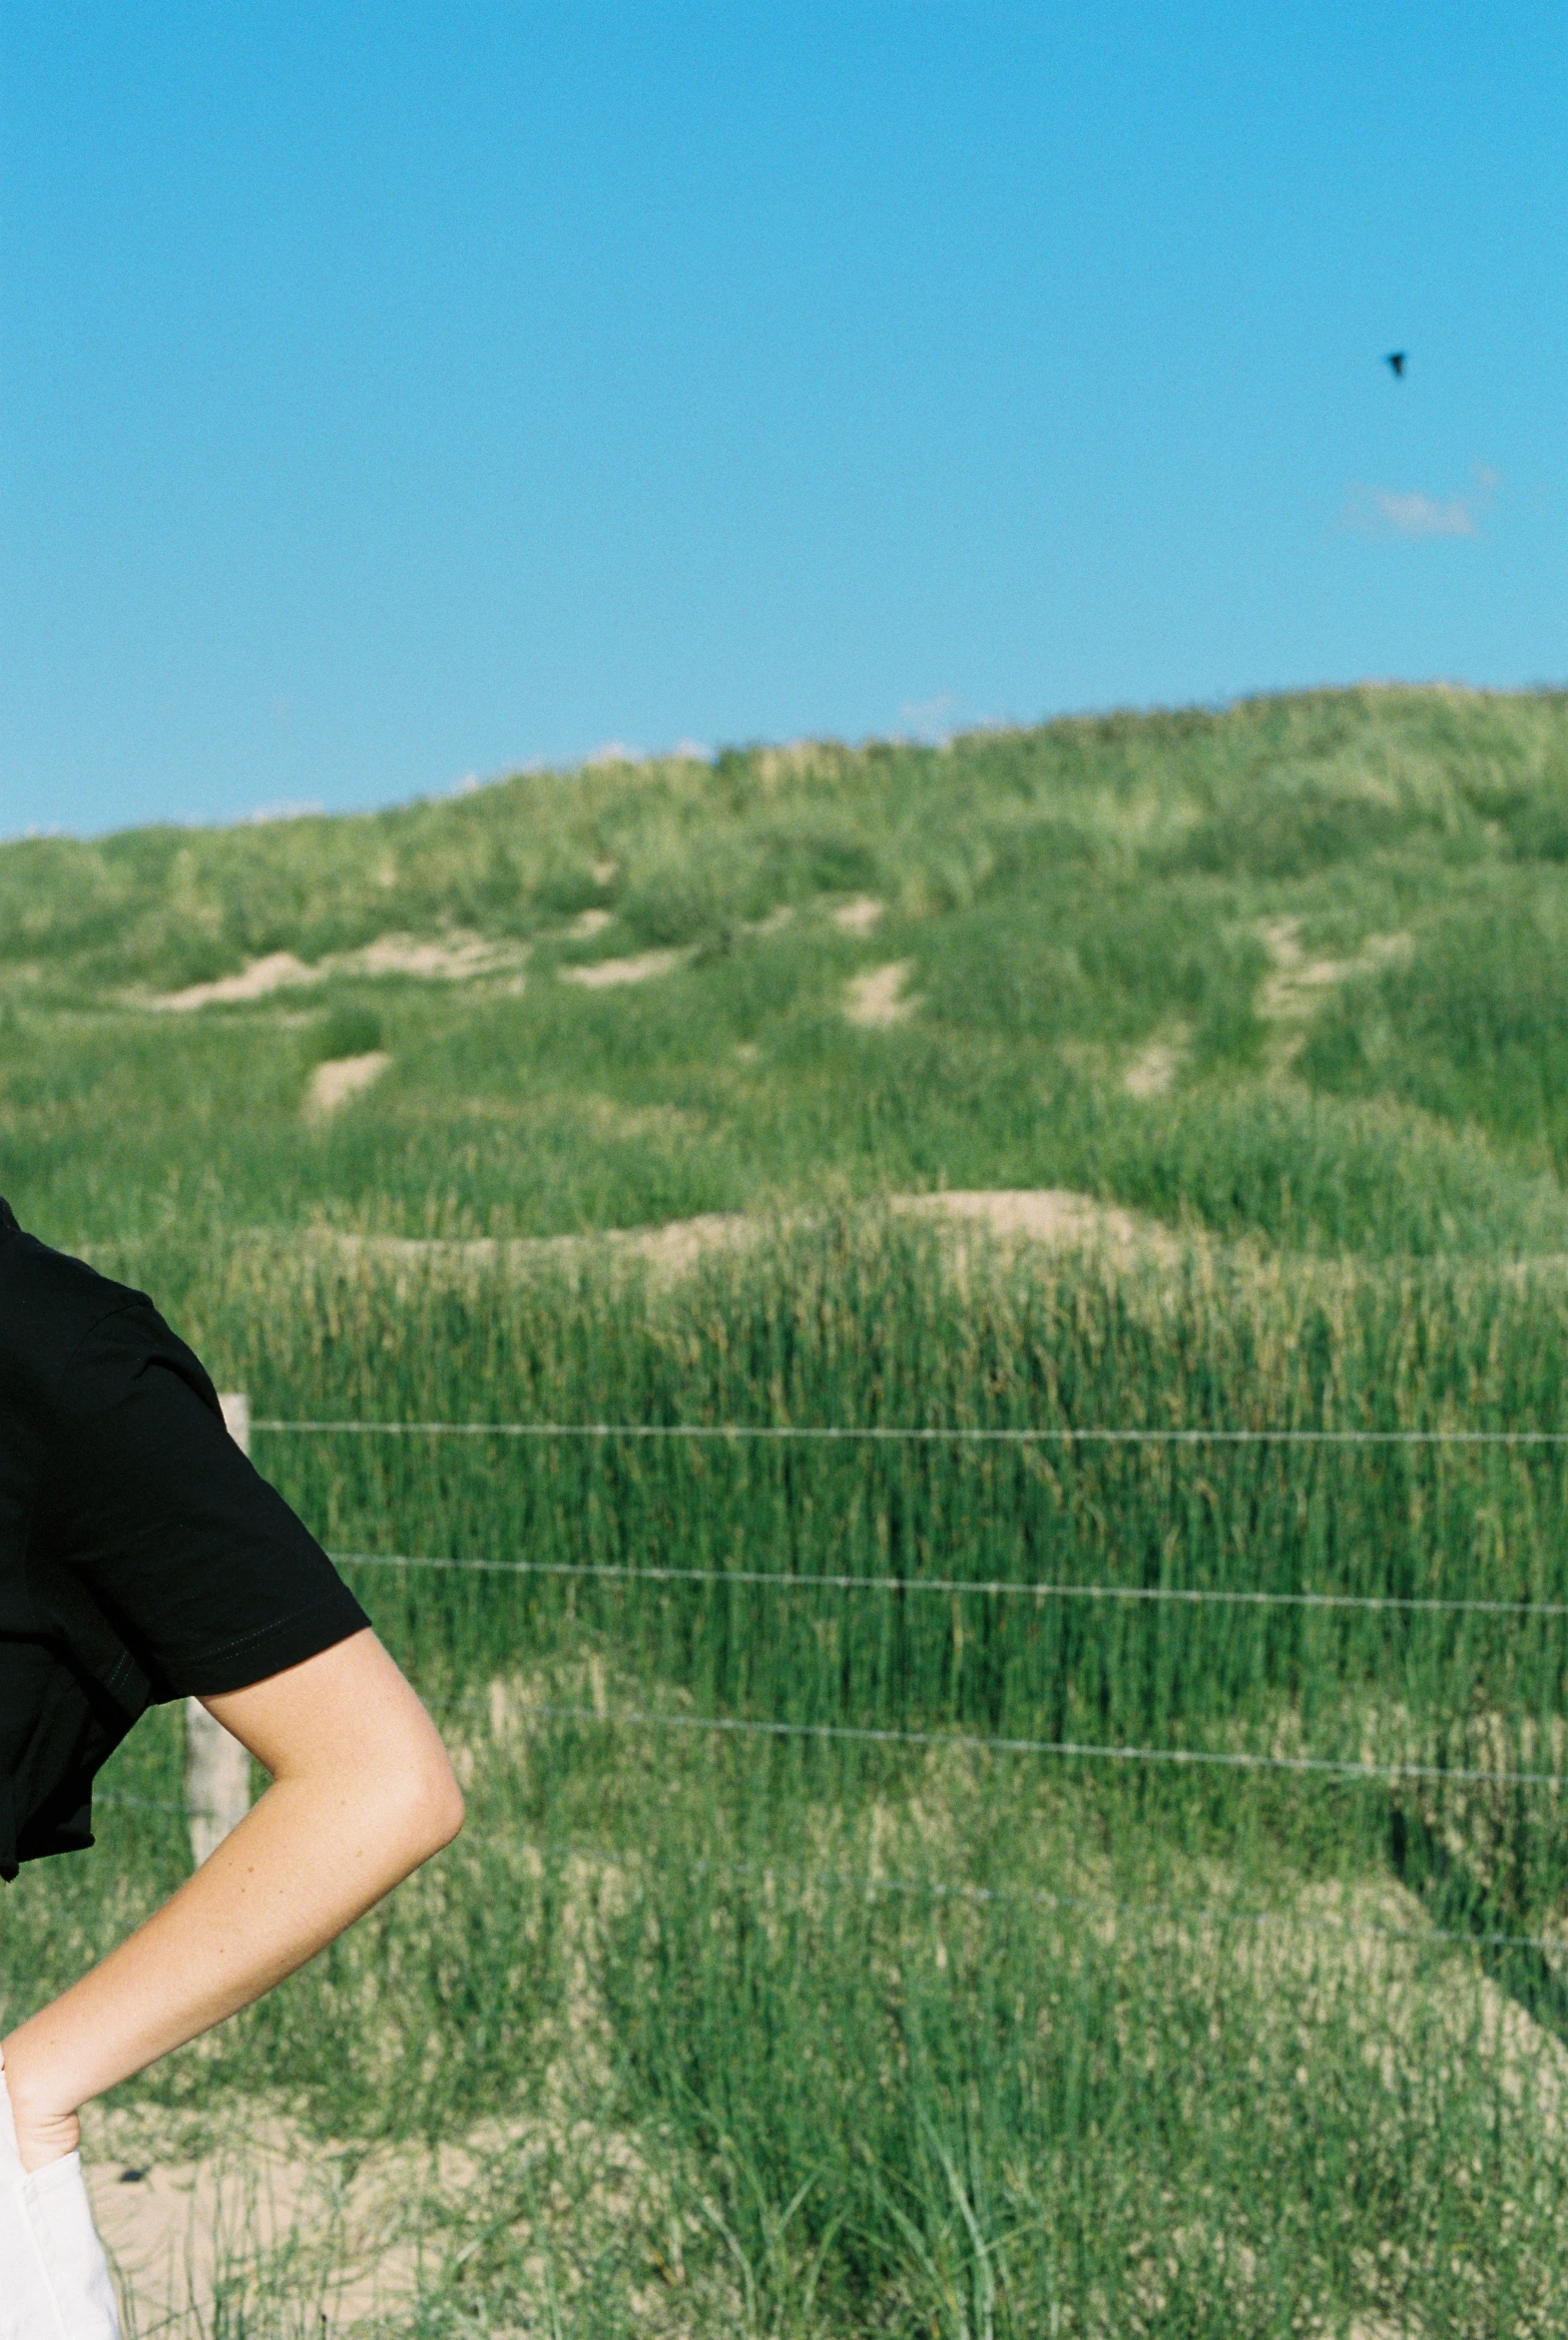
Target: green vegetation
903, 2037
844, 2019
1317, 939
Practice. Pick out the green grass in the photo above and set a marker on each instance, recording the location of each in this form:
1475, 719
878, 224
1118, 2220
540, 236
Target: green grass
925, 2037
788, 2033
1063, 898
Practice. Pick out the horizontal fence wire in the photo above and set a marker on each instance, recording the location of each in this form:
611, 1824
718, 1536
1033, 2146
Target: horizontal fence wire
1323, 1767
916, 1434
996, 1588
965, 1742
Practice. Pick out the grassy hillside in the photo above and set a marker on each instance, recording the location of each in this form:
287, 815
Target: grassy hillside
1295, 969
920, 1888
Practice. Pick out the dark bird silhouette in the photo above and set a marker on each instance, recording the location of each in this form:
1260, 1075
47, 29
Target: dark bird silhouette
1395, 360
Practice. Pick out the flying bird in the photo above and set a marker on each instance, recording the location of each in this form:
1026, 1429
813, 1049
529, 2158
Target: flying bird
1395, 360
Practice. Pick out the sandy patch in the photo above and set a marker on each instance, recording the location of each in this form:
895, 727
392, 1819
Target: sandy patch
672, 1247
450, 959
877, 999
1153, 1071
1295, 983
175, 2230
639, 969
341, 1077
277, 973
453, 958
682, 1242
1052, 1215
297, 2238
861, 916
588, 924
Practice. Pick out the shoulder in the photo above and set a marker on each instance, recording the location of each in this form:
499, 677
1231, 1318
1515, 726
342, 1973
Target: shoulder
49, 1305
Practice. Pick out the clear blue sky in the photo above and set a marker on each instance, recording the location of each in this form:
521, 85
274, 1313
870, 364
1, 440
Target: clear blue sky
391, 394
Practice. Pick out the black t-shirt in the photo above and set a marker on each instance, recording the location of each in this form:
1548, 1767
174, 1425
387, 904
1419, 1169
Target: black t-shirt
142, 1556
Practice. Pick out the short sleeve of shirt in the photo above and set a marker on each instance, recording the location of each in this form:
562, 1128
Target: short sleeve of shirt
200, 1564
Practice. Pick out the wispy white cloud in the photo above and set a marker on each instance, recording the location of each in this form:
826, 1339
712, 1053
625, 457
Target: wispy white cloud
1415, 514
1388, 511
286, 812
928, 719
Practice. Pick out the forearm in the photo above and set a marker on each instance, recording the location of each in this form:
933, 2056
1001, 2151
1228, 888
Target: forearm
303, 1864
361, 1794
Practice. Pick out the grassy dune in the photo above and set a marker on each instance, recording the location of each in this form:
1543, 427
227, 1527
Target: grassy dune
1291, 969
843, 2019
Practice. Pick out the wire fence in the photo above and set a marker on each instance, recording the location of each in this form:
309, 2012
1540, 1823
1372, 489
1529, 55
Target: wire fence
788, 1580
1074, 1750
914, 1434
1145, 1912
783, 1581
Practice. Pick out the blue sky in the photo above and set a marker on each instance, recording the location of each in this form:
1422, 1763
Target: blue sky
394, 394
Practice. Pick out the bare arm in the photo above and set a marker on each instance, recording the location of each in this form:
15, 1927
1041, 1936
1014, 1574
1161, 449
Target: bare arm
361, 1792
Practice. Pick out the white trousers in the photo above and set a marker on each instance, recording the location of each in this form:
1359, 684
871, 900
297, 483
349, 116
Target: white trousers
54, 2278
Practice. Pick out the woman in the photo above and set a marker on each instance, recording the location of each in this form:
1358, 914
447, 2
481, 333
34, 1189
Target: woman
142, 1558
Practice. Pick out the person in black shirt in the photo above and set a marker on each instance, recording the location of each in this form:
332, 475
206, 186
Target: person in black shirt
142, 1558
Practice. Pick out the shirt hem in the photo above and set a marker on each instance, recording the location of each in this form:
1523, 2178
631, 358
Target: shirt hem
256, 1657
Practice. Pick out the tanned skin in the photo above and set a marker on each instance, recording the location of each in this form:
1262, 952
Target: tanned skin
362, 1792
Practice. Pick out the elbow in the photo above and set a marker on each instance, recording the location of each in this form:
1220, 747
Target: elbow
427, 1810
442, 1810
449, 1812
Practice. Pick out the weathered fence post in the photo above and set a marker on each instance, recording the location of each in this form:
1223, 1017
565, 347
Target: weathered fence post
217, 1767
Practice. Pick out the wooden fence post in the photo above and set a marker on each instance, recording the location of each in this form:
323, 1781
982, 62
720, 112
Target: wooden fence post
217, 1767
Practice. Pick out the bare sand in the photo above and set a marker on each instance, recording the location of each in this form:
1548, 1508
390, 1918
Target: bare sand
333, 1084
1153, 1071
1051, 1218
173, 2228
450, 959
1295, 985
861, 916
877, 999
639, 969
